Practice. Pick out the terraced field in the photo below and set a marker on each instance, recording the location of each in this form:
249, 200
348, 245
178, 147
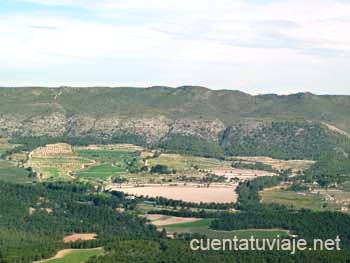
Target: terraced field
201, 226
297, 199
62, 165
91, 162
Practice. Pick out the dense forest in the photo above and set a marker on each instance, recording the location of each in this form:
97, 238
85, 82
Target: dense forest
178, 251
35, 218
192, 145
280, 140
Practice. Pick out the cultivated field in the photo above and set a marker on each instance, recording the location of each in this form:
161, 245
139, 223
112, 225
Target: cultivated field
100, 172
52, 150
108, 162
90, 162
337, 197
122, 147
184, 162
104, 156
242, 174
295, 165
56, 160
73, 255
10, 173
62, 165
202, 227
5, 145
163, 220
196, 194
297, 200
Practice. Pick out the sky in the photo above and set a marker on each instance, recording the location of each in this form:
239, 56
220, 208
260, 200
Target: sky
256, 46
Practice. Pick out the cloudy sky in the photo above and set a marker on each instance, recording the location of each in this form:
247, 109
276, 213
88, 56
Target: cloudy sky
257, 46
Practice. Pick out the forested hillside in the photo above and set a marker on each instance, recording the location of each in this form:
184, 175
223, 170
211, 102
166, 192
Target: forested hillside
35, 218
156, 113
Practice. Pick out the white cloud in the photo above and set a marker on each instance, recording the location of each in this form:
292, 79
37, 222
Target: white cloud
280, 46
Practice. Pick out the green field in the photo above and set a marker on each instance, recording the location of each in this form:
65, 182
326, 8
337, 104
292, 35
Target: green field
295, 199
77, 256
5, 145
106, 155
143, 208
187, 162
102, 172
201, 223
202, 227
109, 163
10, 173
58, 167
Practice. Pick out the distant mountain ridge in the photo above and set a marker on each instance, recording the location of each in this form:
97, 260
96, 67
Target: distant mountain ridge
159, 113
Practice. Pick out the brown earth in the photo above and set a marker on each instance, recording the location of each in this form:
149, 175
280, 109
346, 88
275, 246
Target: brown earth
196, 194
76, 237
161, 220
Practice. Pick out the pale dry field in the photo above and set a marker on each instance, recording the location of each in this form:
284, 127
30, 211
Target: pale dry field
185, 162
336, 129
295, 165
111, 147
52, 149
162, 220
62, 253
59, 254
217, 194
336, 195
243, 174
76, 237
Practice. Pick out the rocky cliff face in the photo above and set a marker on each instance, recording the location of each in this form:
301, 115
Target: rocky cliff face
151, 129
16, 125
159, 112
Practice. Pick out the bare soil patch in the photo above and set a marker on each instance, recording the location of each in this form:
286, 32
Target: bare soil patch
62, 253
111, 147
336, 129
161, 220
76, 237
196, 194
244, 174
59, 254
